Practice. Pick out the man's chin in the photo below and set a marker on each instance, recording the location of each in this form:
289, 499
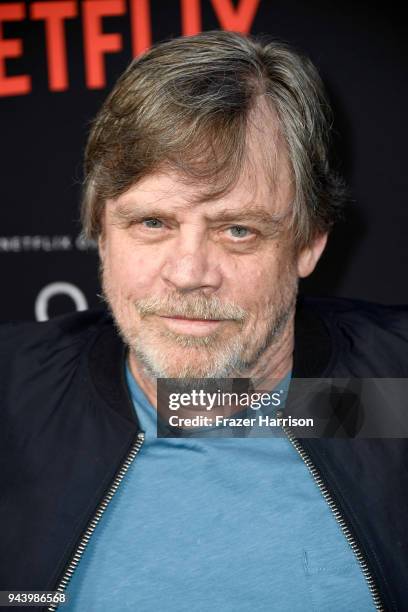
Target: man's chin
187, 357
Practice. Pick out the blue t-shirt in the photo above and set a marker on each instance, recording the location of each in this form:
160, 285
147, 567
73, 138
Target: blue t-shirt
204, 524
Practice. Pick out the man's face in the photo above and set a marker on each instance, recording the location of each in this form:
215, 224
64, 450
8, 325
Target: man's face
201, 289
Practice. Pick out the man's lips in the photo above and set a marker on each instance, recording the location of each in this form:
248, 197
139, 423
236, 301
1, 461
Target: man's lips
186, 318
196, 327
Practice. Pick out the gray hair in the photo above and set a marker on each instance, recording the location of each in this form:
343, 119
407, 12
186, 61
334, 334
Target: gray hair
185, 104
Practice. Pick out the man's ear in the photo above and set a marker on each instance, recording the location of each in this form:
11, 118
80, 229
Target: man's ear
101, 238
310, 255
101, 245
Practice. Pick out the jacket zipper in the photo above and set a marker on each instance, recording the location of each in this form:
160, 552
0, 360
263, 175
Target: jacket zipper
96, 518
338, 516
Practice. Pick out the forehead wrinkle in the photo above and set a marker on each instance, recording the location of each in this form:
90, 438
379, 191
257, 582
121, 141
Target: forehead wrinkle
131, 201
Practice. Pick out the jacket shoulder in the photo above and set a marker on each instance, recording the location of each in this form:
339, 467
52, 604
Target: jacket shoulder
369, 337
24, 342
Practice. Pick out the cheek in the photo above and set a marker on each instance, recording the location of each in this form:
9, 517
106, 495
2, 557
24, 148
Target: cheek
264, 283
131, 272
258, 275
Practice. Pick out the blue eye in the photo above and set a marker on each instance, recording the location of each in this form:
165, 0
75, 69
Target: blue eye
238, 231
152, 223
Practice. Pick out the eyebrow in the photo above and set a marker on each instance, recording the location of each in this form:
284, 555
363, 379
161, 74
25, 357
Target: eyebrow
123, 214
255, 214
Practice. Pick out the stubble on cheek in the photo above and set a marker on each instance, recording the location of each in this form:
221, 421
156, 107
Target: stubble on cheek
163, 352
118, 302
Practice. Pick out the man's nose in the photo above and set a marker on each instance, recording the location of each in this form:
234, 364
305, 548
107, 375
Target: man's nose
191, 265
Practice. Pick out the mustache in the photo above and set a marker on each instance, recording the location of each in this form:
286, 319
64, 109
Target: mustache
193, 307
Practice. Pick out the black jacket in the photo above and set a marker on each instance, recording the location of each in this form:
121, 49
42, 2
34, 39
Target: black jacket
68, 428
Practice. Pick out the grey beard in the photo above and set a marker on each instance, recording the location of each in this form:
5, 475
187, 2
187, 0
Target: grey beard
236, 365
155, 372
234, 360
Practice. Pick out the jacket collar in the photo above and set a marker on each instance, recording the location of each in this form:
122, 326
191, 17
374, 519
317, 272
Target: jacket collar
313, 344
